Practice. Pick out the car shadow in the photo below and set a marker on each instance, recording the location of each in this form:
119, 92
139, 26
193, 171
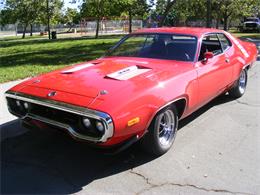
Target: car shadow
47, 162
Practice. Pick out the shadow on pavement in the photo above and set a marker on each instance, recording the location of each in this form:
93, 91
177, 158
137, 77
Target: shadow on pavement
47, 162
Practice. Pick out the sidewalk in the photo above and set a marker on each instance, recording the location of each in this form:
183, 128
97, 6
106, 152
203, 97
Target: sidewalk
5, 116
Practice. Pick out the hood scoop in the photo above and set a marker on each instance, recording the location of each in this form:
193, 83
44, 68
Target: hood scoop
77, 68
128, 73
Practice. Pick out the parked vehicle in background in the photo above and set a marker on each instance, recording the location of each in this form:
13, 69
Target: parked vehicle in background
251, 24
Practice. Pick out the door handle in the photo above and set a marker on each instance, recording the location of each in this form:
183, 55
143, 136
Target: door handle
227, 60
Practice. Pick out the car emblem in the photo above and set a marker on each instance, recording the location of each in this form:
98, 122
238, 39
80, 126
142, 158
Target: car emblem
103, 92
51, 94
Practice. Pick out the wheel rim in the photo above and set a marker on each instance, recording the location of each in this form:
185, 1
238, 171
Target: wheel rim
242, 82
167, 124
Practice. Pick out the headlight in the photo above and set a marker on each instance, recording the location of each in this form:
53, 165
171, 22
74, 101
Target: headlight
26, 105
100, 127
86, 122
18, 103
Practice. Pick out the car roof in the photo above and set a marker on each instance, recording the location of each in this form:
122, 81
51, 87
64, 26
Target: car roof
198, 32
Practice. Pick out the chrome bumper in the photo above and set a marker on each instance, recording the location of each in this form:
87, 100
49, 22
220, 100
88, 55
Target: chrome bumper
81, 111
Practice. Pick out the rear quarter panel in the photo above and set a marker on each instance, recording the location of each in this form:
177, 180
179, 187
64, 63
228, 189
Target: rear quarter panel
244, 54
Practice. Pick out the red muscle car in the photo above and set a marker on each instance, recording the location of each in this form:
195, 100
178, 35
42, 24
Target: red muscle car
140, 89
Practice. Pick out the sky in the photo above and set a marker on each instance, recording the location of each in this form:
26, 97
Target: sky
2, 3
67, 3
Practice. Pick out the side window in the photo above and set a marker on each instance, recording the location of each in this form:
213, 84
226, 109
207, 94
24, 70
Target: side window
210, 43
225, 42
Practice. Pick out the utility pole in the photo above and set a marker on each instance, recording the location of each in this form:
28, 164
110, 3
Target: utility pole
48, 19
208, 13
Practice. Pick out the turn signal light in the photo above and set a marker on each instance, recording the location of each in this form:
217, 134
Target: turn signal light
133, 121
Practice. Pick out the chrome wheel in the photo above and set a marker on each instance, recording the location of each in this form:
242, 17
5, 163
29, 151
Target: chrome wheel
167, 128
242, 82
162, 131
239, 87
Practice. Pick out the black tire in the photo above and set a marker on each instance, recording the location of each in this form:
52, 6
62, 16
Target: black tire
239, 87
158, 131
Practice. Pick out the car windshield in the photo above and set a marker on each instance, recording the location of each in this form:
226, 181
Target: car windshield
157, 46
251, 20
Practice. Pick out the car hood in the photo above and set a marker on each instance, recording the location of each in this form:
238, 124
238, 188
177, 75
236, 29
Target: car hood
107, 77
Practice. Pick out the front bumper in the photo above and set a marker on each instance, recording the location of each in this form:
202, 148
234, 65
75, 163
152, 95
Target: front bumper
62, 108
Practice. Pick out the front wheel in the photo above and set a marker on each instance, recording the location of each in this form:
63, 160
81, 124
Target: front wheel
239, 87
162, 132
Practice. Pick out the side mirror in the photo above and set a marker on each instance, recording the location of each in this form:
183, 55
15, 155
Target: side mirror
207, 56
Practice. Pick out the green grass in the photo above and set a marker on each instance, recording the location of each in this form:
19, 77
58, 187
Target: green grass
21, 58
245, 35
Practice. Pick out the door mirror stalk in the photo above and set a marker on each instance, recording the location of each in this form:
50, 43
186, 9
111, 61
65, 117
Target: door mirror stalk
207, 56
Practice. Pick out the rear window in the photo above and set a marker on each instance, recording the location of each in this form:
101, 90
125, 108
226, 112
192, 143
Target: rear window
225, 42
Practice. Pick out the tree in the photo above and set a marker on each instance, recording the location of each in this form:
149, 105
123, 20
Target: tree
50, 13
227, 9
221, 10
24, 11
182, 11
132, 8
71, 17
166, 7
208, 13
98, 9
139, 8
6, 17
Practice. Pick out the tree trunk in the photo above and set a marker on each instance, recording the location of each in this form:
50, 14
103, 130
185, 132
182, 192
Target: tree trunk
48, 19
130, 21
186, 22
217, 22
31, 33
162, 19
24, 30
208, 25
225, 23
97, 28
69, 28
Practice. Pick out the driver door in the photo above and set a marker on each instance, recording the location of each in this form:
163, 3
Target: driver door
215, 73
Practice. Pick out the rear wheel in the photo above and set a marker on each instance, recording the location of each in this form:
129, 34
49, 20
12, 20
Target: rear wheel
162, 132
239, 87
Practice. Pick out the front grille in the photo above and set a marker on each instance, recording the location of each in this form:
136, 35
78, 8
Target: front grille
73, 120
251, 25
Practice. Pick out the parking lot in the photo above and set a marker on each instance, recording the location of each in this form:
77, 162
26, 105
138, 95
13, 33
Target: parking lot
217, 151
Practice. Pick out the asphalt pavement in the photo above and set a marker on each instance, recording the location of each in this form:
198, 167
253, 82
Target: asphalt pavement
217, 151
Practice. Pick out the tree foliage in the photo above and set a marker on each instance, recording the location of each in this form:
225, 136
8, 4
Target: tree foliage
164, 7
231, 9
71, 16
114, 8
6, 17
180, 11
22, 11
222, 10
54, 11
28, 12
133, 8
96, 9
167, 12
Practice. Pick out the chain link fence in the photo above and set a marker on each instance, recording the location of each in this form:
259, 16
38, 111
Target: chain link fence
84, 28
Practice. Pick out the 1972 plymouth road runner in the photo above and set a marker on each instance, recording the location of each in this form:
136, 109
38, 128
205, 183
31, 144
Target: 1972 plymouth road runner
139, 90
